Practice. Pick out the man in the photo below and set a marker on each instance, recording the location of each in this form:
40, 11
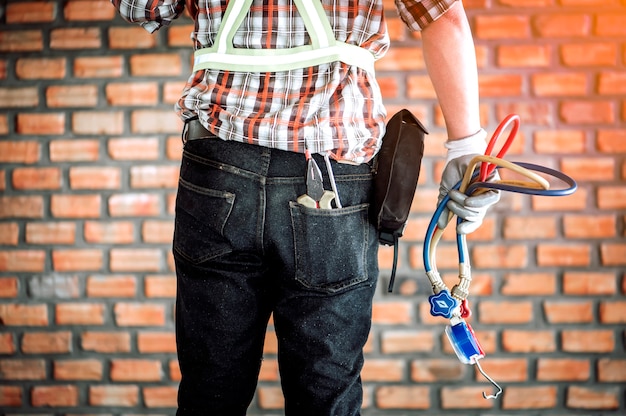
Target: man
251, 240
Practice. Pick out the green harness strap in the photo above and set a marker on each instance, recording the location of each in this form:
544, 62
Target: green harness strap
324, 48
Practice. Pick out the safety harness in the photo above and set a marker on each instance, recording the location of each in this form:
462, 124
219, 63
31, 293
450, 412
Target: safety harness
324, 48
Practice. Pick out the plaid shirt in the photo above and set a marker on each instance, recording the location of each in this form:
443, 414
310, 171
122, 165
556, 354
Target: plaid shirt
332, 107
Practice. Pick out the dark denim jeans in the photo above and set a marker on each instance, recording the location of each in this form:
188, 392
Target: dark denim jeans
244, 250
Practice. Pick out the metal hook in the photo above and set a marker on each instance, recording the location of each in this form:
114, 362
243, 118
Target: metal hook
491, 396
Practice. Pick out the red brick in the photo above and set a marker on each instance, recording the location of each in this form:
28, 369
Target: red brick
542, 397
157, 231
155, 121
11, 396
113, 395
528, 341
156, 65
522, 56
501, 27
75, 38
118, 232
509, 85
26, 151
402, 397
464, 398
21, 41
45, 178
139, 314
433, 370
580, 397
22, 369
77, 369
587, 112
402, 59
589, 226
505, 312
59, 96
563, 369
588, 54
161, 396
75, 150
88, 10
79, 313
132, 94
562, 25
19, 97
97, 122
41, 124
50, 233
77, 260
135, 370
383, 370
54, 396
95, 177
589, 283
529, 228
172, 91
179, 35
529, 284
612, 312
47, 342
392, 313
119, 286
611, 197
563, 255
106, 342
7, 345
406, 341
269, 370
75, 206
131, 37
99, 67
611, 141
559, 141
160, 286
420, 87
593, 341
504, 369
9, 233
558, 312
135, 259
134, 149
589, 169
611, 370
134, 205
22, 261
559, 84
8, 287
610, 24
270, 398
613, 254
30, 12
40, 68
174, 370
499, 256
149, 176
156, 342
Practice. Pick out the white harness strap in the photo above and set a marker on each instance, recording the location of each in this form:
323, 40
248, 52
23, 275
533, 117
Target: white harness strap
324, 48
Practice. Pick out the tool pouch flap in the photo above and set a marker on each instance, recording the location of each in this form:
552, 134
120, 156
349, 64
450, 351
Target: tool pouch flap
397, 171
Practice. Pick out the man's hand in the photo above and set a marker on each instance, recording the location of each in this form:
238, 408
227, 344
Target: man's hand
471, 208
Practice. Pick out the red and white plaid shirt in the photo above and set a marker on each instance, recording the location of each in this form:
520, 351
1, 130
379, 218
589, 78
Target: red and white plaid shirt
331, 107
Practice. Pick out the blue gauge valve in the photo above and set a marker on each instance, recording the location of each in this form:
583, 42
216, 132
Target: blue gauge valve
464, 343
442, 304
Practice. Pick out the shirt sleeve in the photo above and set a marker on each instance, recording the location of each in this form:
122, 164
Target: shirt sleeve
150, 14
417, 14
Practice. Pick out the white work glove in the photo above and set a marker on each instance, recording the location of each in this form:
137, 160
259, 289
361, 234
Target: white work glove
471, 209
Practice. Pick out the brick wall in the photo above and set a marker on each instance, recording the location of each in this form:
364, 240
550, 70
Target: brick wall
90, 147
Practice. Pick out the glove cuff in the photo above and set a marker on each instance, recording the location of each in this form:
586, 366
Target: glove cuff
474, 144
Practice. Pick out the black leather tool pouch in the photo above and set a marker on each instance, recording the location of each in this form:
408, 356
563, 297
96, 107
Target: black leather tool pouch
397, 168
